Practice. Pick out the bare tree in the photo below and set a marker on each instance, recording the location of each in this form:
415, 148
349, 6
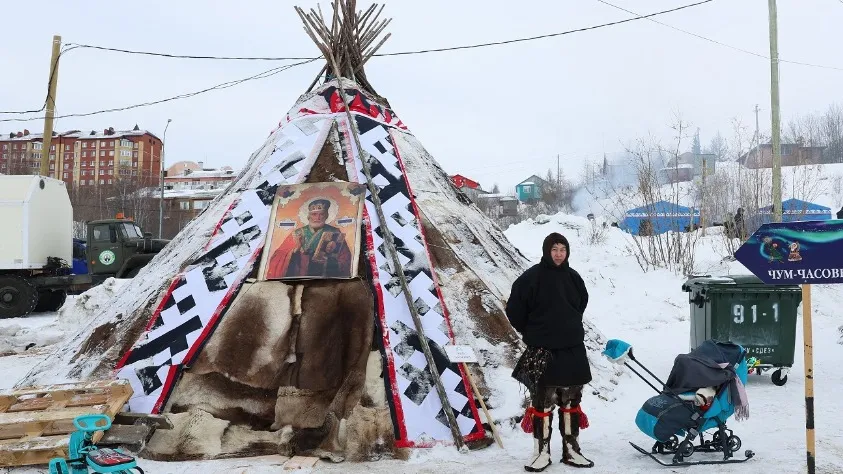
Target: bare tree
833, 133
718, 147
656, 200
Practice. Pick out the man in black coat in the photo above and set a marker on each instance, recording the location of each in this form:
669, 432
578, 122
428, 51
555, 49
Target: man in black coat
546, 307
840, 213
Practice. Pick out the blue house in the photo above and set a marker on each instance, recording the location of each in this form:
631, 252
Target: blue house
660, 217
797, 210
530, 190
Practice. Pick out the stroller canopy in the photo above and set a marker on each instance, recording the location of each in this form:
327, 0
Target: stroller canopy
710, 365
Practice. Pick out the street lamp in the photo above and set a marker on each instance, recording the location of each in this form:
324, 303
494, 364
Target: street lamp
161, 202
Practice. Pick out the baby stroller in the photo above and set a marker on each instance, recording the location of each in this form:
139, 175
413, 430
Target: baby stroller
704, 389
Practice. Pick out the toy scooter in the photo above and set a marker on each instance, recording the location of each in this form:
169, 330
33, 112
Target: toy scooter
85, 457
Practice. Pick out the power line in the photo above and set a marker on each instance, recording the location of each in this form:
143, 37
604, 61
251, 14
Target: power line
687, 32
64, 50
225, 85
305, 60
721, 43
189, 56
550, 35
402, 53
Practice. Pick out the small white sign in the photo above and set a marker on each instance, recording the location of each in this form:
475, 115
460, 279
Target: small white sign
460, 354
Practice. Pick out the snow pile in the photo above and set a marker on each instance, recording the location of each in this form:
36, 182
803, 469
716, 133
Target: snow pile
86, 306
19, 335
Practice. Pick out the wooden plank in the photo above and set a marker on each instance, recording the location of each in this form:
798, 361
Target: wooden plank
88, 399
43, 442
34, 451
49, 415
48, 403
128, 418
32, 404
35, 422
83, 386
6, 401
126, 434
15, 425
25, 458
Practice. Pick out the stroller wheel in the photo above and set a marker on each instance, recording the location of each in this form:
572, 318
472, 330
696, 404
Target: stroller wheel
672, 443
734, 443
686, 449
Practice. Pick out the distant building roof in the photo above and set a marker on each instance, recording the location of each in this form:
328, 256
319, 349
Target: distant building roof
109, 133
533, 180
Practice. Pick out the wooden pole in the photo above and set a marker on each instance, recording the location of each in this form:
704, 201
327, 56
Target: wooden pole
807, 333
483, 405
399, 270
392, 252
774, 112
50, 108
702, 206
316, 29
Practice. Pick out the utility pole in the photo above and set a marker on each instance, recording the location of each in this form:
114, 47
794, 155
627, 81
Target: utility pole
702, 207
161, 201
774, 100
50, 108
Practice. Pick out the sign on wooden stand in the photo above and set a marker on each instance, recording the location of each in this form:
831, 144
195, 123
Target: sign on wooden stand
463, 355
806, 253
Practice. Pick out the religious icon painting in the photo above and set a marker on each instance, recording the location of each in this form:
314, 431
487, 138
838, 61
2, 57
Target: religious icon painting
315, 232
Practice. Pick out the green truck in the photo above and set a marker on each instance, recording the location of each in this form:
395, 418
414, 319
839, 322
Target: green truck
37, 248
118, 248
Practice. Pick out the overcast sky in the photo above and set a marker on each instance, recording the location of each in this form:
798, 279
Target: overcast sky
495, 114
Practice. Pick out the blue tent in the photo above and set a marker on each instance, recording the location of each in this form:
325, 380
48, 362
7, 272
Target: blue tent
797, 210
661, 217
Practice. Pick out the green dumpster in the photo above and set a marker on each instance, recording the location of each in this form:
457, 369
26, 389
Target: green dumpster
743, 310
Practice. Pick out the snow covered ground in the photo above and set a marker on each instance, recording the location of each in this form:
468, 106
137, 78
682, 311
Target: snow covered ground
648, 310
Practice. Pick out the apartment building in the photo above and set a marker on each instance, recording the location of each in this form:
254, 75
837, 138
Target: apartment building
86, 158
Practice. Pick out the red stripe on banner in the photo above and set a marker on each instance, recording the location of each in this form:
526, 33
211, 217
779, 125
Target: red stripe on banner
390, 360
168, 385
151, 321
219, 224
445, 313
211, 325
370, 246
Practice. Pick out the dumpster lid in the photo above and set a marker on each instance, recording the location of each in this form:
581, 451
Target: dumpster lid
721, 280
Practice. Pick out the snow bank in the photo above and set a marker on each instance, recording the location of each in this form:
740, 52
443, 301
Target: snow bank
85, 307
38, 330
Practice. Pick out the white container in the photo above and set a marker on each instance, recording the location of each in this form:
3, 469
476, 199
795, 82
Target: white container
36, 222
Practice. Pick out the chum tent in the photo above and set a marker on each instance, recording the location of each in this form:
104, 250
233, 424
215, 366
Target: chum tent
797, 210
331, 368
660, 217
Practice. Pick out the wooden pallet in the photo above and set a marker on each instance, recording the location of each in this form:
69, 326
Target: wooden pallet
36, 422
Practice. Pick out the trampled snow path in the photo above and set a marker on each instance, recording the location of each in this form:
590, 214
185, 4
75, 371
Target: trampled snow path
650, 311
